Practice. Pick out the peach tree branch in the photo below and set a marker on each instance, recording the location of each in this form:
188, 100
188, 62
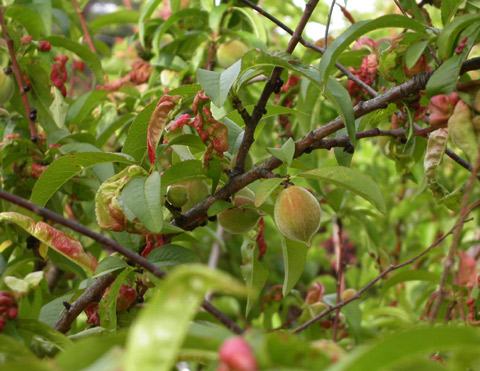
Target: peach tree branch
113, 245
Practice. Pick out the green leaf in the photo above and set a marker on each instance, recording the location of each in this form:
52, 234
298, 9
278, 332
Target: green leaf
215, 17
59, 109
445, 78
218, 206
86, 55
110, 264
285, 153
83, 105
353, 180
217, 84
411, 275
146, 12
65, 168
172, 255
447, 40
396, 348
119, 17
184, 171
449, 8
107, 308
13, 349
45, 331
157, 335
414, 53
84, 352
355, 31
254, 273
342, 102
196, 13
27, 17
136, 142
265, 189
143, 197
294, 260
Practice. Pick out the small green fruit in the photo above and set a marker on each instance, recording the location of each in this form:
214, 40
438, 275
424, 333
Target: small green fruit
230, 52
177, 195
239, 220
297, 214
7, 86
348, 293
197, 192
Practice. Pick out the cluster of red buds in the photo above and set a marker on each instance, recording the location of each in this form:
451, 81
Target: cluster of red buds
154, 241
59, 74
8, 308
461, 46
126, 297
140, 73
212, 132
44, 46
367, 73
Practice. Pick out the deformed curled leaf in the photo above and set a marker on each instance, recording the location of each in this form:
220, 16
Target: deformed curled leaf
159, 119
110, 214
61, 242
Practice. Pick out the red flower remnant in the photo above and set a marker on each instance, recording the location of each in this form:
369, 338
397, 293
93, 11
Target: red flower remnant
37, 170
8, 308
92, 314
236, 355
315, 293
26, 39
44, 46
154, 241
461, 46
79, 65
59, 74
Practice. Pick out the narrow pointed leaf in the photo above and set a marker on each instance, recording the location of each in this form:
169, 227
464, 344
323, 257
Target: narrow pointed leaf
353, 180
294, 259
160, 329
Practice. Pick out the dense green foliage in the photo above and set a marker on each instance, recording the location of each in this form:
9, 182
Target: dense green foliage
163, 126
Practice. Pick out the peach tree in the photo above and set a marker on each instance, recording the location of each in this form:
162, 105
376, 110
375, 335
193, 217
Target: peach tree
210, 185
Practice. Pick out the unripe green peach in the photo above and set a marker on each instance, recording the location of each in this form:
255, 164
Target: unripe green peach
297, 214
229, 52
197, 192
6, 87
239, 220
177, 195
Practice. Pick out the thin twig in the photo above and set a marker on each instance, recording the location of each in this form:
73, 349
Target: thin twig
18, 77
329, 19
84, 26
313, 47
339, 251
90, 295
375, 280
456, 239
113, 245
259, 109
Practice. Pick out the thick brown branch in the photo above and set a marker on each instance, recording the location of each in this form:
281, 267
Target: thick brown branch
259, 109
113, 245
90, 295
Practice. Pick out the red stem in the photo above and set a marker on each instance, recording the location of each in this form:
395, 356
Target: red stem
84, 26
18, 77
